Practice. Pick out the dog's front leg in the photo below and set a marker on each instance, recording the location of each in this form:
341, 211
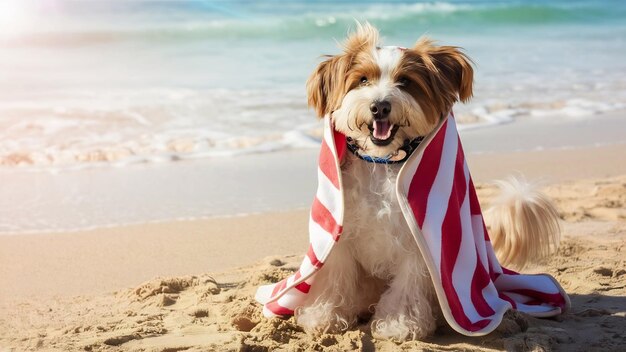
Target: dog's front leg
405, 310
333, 303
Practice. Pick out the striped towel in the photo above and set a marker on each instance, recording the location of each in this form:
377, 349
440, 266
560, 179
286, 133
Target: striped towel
439, 203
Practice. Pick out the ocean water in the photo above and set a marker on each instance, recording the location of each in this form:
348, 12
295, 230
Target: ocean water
112, 83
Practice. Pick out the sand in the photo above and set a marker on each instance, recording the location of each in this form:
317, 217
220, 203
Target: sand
188, 285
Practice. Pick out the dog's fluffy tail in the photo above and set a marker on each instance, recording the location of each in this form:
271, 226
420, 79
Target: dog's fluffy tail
523, 224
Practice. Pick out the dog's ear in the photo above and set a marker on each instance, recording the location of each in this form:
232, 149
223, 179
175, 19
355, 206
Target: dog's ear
327, 86
450, 72
456, 68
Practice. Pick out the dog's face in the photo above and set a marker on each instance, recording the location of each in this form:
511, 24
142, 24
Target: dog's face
383, 96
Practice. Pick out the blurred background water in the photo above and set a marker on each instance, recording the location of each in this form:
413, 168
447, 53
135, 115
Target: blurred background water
87, 83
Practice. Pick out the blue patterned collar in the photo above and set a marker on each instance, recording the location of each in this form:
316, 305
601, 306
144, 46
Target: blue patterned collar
399, 156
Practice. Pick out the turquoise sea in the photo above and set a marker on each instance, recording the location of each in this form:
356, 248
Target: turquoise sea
116, 82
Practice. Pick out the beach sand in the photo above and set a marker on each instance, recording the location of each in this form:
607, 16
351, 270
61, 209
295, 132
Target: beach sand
189, 285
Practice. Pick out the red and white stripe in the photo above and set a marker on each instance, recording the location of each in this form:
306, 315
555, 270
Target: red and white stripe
439, 202
325, 227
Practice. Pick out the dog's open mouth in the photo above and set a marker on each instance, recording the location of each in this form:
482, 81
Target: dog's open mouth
382, 132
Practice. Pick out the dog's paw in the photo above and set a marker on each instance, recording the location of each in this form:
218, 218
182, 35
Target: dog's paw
323, 318
401, 328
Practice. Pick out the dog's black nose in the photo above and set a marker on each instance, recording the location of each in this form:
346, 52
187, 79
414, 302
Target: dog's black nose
380, 109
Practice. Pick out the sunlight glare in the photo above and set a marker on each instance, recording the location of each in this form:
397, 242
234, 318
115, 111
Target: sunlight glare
14, 17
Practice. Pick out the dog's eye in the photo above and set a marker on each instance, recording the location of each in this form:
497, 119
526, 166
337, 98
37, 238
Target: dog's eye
403, 81
363, 80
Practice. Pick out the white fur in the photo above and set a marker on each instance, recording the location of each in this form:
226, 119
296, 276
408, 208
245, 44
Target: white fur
376, 249
387, 59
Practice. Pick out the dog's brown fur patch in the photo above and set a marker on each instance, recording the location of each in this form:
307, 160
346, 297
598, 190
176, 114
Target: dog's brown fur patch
438, 77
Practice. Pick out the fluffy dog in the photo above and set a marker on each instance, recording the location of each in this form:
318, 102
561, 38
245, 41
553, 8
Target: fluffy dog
382, 98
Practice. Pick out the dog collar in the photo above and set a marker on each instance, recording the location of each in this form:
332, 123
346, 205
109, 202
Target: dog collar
401, 155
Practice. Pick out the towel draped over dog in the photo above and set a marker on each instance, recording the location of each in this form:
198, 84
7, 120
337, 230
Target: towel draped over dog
439, 203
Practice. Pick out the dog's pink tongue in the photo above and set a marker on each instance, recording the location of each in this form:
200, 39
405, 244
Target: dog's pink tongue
382, 129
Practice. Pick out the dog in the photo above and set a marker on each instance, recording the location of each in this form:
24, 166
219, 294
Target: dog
381, 99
